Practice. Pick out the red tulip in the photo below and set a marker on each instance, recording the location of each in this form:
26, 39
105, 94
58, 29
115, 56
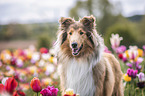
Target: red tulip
10, 84
120, 56
43, 50
1, 88
35, 84
70, 95
18, 93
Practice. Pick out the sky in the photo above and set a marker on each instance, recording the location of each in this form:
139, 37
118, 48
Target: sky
34, 11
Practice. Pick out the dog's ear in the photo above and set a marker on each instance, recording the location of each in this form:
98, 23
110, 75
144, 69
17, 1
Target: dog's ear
66, 22
88, 22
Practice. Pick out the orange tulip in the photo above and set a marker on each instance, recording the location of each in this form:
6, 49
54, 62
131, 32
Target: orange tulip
10, 84
35, 84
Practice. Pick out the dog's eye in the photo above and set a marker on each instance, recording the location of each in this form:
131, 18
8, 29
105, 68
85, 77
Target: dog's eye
81, 33
70, 33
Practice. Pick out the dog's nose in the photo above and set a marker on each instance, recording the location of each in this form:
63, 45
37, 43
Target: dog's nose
74, 45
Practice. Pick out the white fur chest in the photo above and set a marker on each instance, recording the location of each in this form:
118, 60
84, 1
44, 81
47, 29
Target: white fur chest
80, 78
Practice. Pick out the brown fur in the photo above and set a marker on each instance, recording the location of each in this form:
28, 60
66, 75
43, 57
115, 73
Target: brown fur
106, 69
108, 77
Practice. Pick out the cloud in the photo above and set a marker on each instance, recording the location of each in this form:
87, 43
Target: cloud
131, 7
24, 11
33, 10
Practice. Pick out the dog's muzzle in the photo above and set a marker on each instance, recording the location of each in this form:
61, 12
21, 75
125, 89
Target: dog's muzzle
75, 49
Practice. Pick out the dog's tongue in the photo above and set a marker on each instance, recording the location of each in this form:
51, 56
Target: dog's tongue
75, 51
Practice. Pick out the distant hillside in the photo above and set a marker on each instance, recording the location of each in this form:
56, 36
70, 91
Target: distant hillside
135, 18
16, 31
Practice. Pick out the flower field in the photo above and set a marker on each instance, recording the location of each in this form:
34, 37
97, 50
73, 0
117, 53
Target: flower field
32, 72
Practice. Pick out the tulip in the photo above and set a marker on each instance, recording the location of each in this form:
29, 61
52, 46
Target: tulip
141, 77
139, 60
141, 84
46, 92
13, 61
43, 50
35, 85
126, 78
106, 50
4, 80
140, 53
115, 41
18, 93
132, 73
49, 91
53, 90
45, 56
47, 81
120, 56
129, 65
10, 84
143, 47
70, 92
133, 52
121, 49
124, 58
2, 88
1, 64
19, 62
35, 57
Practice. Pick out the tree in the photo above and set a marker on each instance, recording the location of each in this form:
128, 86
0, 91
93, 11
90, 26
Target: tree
102, 9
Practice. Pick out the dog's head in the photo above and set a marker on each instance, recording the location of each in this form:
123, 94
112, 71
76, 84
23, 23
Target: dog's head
77, 37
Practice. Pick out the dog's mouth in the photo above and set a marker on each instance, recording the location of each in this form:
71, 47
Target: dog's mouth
75, 51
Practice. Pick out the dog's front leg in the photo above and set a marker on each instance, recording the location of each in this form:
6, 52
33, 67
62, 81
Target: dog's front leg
62, 79
99, 76
62, 83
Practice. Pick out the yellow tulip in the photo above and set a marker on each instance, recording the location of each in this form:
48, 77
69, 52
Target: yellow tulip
126, 78
47, 81
51, 59
29, 55
140, 53
69, 92
127, 55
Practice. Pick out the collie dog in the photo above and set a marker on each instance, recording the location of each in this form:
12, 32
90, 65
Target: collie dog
85, 67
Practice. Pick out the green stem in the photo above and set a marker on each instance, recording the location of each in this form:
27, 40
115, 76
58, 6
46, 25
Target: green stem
37, 93
129, 89
142, 93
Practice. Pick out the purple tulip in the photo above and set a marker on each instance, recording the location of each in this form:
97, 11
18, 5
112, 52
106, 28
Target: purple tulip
49, 91
143, 47
106, 50
124, 59
132, 73
120, 49
53, 90
138, 67
129, 65
33, 61
8, 68
19, 63
46, 92
139, 60
1, 64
